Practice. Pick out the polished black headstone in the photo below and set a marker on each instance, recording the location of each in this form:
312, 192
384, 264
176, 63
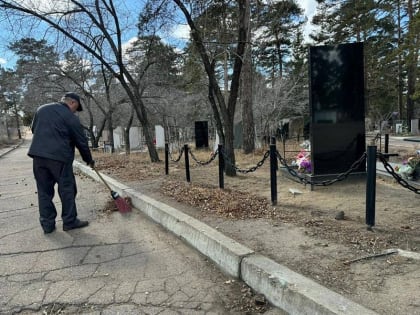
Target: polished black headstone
337, 107
201, 134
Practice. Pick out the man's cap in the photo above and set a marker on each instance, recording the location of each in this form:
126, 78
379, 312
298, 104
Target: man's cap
76, 97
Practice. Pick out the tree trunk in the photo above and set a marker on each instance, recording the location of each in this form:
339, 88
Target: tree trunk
106, 31
412, 60
229, 151
243, 6
15, 112
111, 133
248, 131
127, 132
225, 65
400, 71
140, 109
127, 141
224, 112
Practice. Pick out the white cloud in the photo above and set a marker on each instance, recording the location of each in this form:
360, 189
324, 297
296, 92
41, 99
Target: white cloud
309, 7
47, 5
87, 64
178, 36
181, 32
128, 44
3, 61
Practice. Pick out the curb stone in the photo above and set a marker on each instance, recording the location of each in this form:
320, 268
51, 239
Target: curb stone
7, 150
293, 292
282, 287
225, 252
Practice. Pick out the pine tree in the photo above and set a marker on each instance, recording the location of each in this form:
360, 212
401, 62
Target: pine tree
390, 37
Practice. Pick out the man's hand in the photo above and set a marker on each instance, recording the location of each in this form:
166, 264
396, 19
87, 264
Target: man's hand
92, 164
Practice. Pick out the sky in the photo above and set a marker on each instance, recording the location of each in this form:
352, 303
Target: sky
309, 7
7, 59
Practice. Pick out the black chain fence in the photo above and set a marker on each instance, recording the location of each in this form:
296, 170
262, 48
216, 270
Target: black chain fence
367, 160
181, 151
304, 179
212, 158
296, 175
400, 180
249, 170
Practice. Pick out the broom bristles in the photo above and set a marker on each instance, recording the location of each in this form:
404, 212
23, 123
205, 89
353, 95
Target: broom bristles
122, 205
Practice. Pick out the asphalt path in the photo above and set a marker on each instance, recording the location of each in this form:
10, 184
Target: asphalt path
119, 264
407, 143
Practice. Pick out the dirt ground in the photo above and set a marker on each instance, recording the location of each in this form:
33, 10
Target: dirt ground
305, 231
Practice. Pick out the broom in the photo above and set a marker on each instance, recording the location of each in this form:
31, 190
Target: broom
121, 204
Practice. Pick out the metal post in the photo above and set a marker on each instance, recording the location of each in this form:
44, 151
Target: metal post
273, 174
166, 158
187, 163
273, 141
370, 186
386, 144
284, 146
221, 167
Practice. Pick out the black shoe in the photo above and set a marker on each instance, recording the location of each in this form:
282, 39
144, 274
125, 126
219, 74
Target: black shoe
75, 225
48, 230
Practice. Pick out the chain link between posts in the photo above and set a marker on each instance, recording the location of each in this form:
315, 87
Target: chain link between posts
295, 174
397, 177
181, 151
214, 155
249, 170
306, 181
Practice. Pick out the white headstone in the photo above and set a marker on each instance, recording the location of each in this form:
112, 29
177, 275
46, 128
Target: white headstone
414, 126
135, 138
160, 136
118, 137
216, 142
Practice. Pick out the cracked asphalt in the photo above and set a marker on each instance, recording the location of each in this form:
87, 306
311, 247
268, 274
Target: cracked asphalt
119, 264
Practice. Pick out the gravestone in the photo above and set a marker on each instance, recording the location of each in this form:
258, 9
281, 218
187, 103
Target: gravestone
216, 142
3, 129
337, 107
201, 134
415, 126
238, 135
160, 136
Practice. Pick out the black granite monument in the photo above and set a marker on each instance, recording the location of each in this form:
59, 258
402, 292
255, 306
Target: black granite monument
337, 130
201, 134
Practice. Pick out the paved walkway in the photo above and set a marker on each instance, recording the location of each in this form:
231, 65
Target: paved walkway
130, 264
117, 265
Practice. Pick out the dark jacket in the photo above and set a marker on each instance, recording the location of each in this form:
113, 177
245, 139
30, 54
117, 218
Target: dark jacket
56, 132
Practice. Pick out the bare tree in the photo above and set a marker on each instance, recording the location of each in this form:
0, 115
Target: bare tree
95, 27
248, 144
413, 43
223, 111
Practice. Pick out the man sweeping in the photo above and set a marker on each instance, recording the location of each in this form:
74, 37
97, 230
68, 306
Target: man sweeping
56, 132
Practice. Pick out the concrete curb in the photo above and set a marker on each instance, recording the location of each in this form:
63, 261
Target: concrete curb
293, 292
281, 286
225, 252
12, 148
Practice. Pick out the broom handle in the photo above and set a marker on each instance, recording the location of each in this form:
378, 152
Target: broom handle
100, 176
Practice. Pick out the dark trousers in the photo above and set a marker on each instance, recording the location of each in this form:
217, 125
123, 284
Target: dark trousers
48, 173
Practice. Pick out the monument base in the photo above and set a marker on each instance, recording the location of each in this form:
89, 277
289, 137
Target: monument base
323, 177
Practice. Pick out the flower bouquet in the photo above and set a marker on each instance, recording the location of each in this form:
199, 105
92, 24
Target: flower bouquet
410, 169
303, 159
